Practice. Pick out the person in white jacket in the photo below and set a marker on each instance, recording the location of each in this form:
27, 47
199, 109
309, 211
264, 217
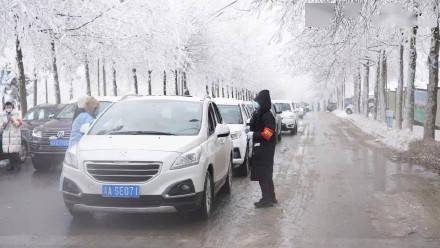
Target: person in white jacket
11, 137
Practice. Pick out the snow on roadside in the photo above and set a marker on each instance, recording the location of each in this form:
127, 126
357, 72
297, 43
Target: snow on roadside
393, 138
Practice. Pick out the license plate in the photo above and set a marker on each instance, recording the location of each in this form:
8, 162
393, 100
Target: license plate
59, 142
120, 191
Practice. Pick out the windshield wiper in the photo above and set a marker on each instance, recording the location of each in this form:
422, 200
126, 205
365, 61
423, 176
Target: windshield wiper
140, 133
117, 128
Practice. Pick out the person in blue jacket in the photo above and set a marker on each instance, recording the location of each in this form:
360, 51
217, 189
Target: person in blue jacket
86, 117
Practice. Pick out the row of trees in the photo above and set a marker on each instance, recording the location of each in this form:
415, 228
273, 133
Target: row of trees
365, 48
125, 43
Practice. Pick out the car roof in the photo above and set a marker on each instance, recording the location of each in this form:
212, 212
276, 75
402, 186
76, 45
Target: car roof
47, 105
227, 101
102, 99
170, 98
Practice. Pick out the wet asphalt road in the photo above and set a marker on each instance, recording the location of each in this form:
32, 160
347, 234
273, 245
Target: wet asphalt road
336, 186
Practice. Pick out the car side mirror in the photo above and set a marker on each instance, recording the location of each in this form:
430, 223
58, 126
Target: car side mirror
85, 128
222, 130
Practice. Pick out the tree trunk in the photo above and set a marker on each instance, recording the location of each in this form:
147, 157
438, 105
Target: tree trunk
149, 82
409, 94
135, 81
382, 88
185, 86
104, 79
97, 83
399, 93
55, 73
213, 89
366, 90
87, 71
164, 83
431, 104
207, 90
35, 89
115, 85
376, 89
223, 92
21, 76
176, 83
71, 90
47, 93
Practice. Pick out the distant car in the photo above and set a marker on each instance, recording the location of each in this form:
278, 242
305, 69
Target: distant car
289, 120
331, 106
37, 116
278, 121
50, 140
150, 153
235, 115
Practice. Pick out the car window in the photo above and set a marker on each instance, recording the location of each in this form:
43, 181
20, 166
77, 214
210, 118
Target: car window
283, 106
218, 116
231, 114
67, 112
150, 117
42, 115
211, 121
30, 116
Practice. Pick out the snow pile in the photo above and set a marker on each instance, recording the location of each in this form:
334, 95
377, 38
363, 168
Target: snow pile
393, 138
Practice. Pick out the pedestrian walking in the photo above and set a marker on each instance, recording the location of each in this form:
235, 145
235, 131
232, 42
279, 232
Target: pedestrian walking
90, 105
11, 135
262, 132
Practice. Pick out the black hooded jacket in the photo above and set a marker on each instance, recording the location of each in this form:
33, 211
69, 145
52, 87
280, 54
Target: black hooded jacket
263, 125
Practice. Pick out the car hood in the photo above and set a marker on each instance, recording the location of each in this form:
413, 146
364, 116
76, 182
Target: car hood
138, 142
287, 114
56, 124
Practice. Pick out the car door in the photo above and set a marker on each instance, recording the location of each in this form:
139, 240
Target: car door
213, 144
224, 151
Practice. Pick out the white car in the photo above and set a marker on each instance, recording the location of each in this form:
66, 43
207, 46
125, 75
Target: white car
236, 115
289, 117
154, 153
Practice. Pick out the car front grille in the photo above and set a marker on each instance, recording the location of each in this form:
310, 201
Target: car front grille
122, 171
61, 134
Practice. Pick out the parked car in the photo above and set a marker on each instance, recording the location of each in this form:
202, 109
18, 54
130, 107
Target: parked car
50, 140
236, 115
331, 106
278, 121
37, 116
289, 120
150, 153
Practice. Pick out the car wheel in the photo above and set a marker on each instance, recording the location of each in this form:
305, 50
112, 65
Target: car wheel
227, 187
208, 197
295, 130
77, 215
40, 164
244, 169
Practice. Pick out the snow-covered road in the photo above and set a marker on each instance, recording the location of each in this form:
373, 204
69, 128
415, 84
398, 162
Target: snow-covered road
337, 187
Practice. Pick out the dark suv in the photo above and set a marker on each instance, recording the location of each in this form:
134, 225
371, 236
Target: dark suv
50, 141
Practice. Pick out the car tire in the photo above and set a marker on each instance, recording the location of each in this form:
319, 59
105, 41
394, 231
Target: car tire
205, 209
294, 130
227, 187
244, 169
40, 164
77, 215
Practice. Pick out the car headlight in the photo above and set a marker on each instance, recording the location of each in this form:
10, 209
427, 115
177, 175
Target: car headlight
235, 135
70, 157
37, 134
187, 159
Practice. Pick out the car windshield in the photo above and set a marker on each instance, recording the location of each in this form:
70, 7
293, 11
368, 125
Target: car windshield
231, 114
283, 107
150, 117
69, 110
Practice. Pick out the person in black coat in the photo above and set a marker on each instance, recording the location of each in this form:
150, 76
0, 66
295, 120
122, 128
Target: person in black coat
262, 127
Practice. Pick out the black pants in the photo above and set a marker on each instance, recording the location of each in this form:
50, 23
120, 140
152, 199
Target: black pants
267, 189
